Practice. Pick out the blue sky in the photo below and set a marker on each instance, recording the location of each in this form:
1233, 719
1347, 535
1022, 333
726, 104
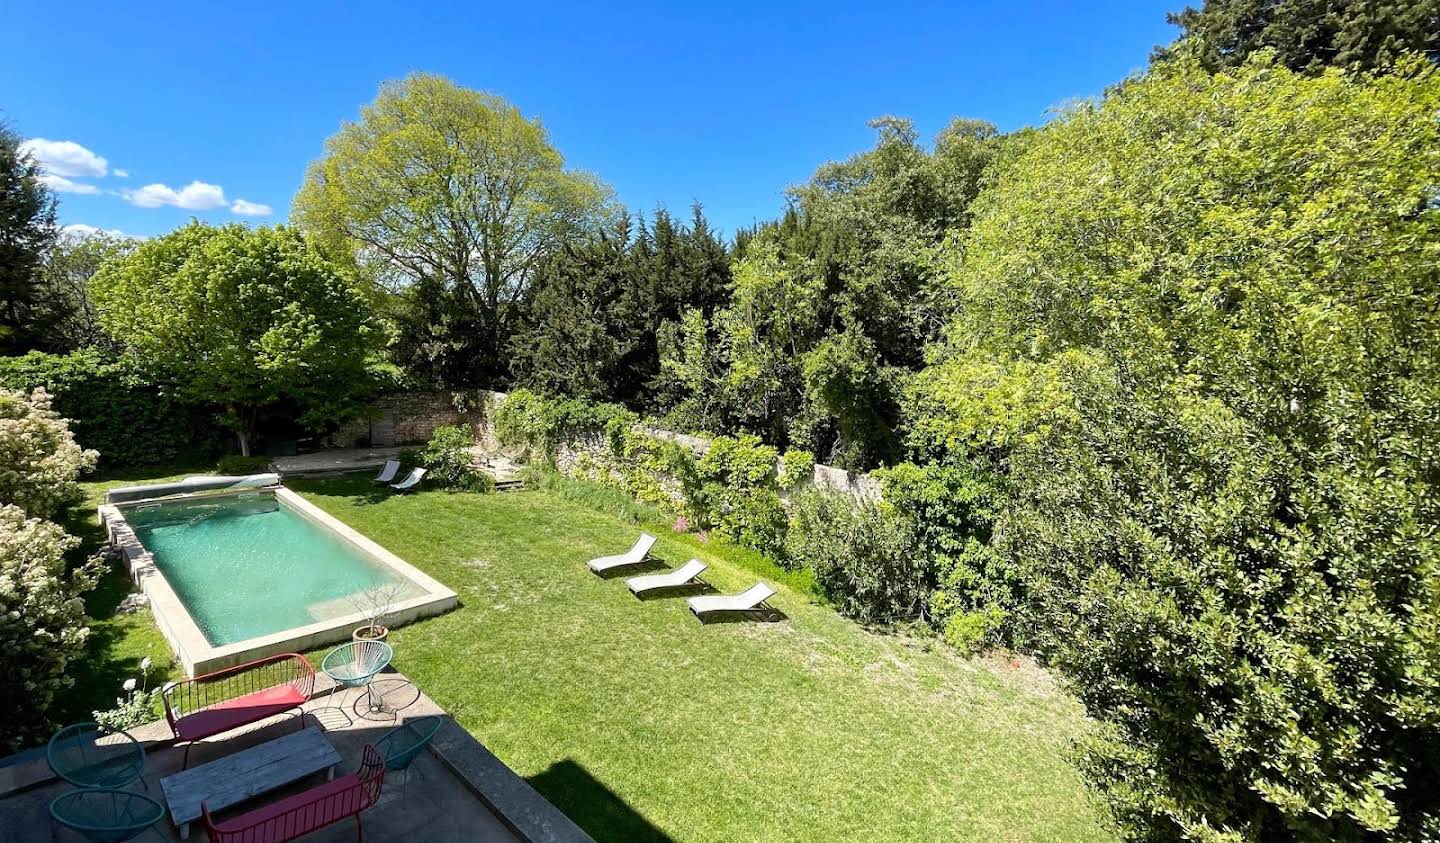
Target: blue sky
724, 103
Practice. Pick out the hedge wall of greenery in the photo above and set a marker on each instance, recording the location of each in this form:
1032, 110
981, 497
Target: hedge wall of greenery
114, 408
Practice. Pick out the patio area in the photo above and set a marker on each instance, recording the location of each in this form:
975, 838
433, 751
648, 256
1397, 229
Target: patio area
456, 790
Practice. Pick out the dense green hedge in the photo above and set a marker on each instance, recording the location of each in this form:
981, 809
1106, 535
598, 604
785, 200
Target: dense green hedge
114, 408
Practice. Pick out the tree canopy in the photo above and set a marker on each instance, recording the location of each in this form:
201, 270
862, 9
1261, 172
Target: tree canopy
451, 198
27, 231
1312, 34
1197, 333
242, 319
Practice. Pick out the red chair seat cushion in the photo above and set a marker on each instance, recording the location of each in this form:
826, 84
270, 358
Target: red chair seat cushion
334, 800
230, 714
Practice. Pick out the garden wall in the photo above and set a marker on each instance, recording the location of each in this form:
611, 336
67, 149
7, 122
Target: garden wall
411, 417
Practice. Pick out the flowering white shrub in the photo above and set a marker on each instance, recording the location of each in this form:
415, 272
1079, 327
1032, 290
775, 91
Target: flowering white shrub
42, 622
39, 458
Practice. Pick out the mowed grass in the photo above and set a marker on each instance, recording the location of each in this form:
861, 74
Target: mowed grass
643, 724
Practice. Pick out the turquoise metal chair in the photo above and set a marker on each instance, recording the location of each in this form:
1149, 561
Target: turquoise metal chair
353, 665
403, 744
106, 815
91, 755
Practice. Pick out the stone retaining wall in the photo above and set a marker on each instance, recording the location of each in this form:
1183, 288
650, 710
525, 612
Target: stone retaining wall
413, 416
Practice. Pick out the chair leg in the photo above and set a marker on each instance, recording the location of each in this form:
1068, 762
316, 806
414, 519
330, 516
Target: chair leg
185, 764
359, 829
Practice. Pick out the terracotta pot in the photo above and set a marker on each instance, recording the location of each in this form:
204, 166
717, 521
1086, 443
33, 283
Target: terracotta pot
369, 633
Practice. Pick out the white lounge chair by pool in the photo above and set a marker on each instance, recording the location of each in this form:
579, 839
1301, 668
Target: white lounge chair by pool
634, 556
748, 600
684, 575
410, 482
387, 474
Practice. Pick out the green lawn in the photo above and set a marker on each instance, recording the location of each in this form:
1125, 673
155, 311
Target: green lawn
643, 724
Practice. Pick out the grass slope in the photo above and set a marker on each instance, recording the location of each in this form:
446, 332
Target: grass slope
643, 724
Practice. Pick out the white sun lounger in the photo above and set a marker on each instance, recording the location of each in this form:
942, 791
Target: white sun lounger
748, 600
410, 481
684, 575
634, 556
387, 474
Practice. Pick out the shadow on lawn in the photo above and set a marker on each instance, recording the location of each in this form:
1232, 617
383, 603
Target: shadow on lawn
593, 806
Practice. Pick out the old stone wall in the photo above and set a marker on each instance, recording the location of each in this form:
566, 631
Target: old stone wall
409, 419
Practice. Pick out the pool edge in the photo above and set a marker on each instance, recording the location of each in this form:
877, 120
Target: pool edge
189, 645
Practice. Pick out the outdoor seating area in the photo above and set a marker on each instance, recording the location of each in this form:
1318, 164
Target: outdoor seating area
311, 770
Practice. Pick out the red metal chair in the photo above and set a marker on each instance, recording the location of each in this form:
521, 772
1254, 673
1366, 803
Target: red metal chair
237, 696
305, 812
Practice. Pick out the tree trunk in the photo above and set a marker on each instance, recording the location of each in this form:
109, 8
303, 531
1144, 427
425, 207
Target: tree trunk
244, 437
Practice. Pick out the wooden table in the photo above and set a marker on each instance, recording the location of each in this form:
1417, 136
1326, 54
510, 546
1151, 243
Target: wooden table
251, 772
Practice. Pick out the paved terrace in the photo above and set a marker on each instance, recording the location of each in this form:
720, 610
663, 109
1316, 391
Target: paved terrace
457, 791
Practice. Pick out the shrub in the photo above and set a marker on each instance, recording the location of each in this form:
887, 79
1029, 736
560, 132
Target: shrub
238, 465
449, 461
1211, 305
525, 418
39, 459
861, 555
42, 622
113, 407
733, 490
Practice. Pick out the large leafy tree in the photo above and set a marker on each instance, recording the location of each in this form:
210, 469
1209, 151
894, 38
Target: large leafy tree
1313, 34
242, 319
27, 230
833, 304
452, 198
69, 265
1198, 334
597, 305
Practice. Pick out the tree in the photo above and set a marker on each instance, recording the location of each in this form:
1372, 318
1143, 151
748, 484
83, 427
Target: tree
27, 230
454, 197
596, 307
242, 319
69, 265
1197, 334
833, 304
1308, 35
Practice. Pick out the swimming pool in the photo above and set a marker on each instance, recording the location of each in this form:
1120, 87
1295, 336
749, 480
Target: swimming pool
239, 575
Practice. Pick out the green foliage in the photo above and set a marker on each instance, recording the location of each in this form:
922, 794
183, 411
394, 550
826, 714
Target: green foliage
861, 556
40, 461
114, 406
451, 196
234, 464
1308, 35
832, 305
27, 231
1197, 332
42, 622
242, 319
69, 266
544, 424
733, 490
449, 461
592, 311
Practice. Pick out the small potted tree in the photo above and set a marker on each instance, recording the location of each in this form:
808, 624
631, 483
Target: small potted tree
375, 604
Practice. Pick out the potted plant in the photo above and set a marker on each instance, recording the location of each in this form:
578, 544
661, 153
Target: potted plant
375, 604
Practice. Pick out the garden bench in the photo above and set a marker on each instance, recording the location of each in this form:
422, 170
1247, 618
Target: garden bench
308, 811
237, 696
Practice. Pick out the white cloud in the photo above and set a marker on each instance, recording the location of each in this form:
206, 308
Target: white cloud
246, 208
65, 158
60, 184
80, 229
195, 196
120, 174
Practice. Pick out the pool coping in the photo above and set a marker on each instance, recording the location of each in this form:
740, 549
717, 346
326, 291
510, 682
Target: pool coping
196, 654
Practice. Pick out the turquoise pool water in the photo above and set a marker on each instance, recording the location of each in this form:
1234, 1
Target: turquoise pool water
249, 566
